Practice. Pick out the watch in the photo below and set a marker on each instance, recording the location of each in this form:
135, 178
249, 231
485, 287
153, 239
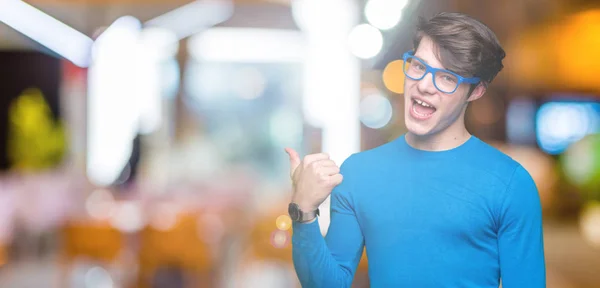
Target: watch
300, 216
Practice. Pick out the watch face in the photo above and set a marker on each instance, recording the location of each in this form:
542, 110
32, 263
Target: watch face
294, 212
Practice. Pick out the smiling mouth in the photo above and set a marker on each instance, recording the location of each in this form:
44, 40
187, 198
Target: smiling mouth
422, 109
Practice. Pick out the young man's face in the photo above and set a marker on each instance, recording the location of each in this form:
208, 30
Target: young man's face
445, 109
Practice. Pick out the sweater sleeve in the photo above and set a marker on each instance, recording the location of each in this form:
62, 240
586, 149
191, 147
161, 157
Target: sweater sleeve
330, 261
520, 235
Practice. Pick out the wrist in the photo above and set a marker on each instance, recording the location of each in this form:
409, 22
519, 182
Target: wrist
304, 205
307, 222
299, 214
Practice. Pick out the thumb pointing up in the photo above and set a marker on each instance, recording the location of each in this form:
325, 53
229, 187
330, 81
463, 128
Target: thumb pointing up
294, 160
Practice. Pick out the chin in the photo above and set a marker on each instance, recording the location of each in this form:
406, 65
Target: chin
418, 129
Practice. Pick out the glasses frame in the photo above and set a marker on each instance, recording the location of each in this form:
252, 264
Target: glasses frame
433, 71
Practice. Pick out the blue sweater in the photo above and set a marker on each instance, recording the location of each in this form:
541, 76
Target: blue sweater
464, 217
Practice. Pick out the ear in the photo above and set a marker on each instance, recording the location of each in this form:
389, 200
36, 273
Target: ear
477, 92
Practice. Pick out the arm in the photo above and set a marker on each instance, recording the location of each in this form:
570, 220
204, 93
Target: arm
330, 262
520, 236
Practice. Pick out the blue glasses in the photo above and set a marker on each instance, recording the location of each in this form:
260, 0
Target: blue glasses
444, 80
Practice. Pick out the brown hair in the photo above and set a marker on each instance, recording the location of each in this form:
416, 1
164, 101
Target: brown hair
465, 45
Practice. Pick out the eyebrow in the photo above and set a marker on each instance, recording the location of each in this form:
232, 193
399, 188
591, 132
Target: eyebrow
443, 68
421, 58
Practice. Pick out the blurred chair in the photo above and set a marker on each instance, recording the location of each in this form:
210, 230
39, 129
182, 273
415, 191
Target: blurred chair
268, 243
267, 253
179, 249
92, 240
269, 240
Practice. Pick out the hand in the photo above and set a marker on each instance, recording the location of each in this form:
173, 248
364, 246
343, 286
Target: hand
313, 179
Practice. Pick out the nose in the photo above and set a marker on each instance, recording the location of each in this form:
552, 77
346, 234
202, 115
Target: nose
426, 85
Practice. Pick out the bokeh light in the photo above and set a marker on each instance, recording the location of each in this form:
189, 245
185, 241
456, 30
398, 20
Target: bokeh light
581, 163
561, 123
283, 222
577, 50
520, 121
316, 16
393, 76
384, 14
375, 111
365, 41
98, 277
590, 224
100, 204
164, 216
280, 239
128, 217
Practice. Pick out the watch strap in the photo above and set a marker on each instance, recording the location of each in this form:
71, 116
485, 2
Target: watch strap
300, 216
308, 216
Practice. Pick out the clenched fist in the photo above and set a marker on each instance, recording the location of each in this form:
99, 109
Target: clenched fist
313, 179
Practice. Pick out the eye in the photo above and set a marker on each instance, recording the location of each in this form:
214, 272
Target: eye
449, 79
418, 66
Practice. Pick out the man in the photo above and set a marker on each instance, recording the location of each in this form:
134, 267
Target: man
436, 207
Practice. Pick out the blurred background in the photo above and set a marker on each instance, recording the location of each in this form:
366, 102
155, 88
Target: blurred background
141, 141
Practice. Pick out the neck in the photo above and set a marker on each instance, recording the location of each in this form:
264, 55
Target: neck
451, 137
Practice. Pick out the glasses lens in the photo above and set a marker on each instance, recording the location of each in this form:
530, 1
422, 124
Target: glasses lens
414, 68
446, 82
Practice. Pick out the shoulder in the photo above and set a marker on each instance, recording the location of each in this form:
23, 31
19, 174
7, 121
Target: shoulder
493, 162
517, 184
360, 165
514, 191
361, 161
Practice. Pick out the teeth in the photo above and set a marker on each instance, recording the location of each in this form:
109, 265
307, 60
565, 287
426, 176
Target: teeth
422, 103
